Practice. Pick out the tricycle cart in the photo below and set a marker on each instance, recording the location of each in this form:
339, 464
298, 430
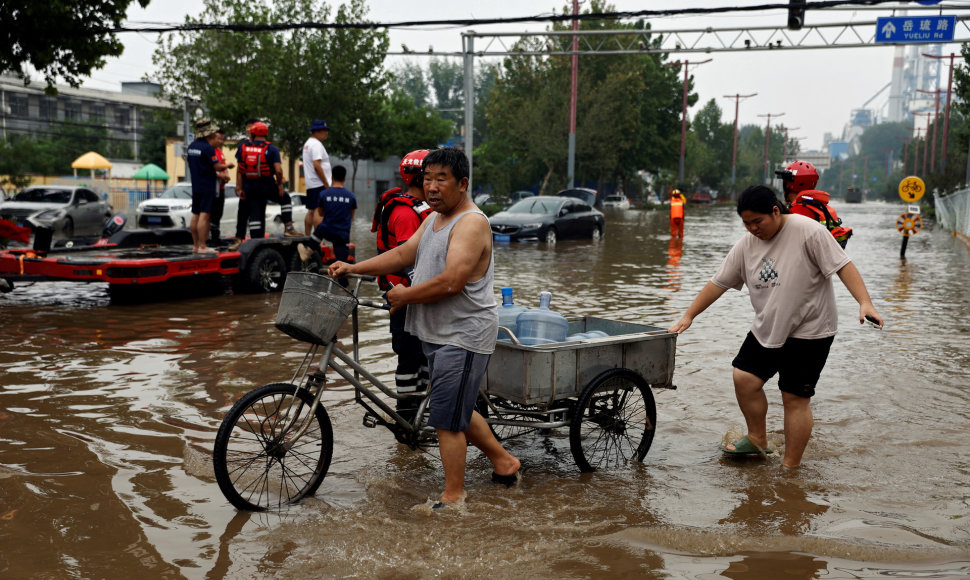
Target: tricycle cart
275, 444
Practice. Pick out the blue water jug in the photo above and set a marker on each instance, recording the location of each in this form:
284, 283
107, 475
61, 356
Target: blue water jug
508, 312
541, 325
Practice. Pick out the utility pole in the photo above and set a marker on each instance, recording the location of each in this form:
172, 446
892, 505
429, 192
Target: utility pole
916, 150
767, 140
683, 120
734, 153
573, 82
946, 116
936, 121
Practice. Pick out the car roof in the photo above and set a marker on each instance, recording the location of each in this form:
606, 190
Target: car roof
54, 187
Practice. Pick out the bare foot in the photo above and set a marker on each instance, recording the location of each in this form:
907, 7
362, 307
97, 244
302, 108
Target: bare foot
507, 466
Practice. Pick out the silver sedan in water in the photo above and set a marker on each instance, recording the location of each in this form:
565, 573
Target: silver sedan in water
69, 210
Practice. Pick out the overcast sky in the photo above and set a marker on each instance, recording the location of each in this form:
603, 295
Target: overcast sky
783, 79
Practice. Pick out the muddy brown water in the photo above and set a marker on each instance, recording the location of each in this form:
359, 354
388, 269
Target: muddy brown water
108, 414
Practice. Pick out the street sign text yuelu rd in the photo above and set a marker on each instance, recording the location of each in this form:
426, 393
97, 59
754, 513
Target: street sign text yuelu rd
899, 29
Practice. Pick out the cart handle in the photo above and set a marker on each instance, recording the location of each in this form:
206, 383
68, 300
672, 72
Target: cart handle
362, 277
515, 339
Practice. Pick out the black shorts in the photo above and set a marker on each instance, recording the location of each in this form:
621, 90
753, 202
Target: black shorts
202, 201
312, 199
798, 362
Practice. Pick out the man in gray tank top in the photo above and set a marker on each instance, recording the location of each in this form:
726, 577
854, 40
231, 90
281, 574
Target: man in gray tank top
454, 314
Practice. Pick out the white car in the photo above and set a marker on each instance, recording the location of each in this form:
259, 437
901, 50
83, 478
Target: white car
173, 209
616, 200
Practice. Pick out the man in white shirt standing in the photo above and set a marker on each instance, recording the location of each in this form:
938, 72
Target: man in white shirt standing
316, 172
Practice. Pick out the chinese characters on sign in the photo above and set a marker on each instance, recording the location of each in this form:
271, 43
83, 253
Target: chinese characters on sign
899, 29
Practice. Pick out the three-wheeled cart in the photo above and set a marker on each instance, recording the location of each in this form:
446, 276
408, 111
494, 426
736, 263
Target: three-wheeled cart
275, 444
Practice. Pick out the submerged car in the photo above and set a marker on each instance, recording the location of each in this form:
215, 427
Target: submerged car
548, 219
66, 209
616, 200
173, 209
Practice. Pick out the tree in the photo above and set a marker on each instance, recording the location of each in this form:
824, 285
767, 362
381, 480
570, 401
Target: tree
627, 117
287, 78
410, 79
59, 38
158, 126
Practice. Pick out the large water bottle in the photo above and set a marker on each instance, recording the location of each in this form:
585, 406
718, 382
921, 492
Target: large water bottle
508, 312
541, 325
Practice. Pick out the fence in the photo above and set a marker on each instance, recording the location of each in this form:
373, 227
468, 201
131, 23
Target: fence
953, 212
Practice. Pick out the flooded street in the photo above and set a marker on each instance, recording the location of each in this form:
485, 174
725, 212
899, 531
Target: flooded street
108, 415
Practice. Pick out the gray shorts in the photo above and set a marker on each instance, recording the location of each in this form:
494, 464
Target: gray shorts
456, 376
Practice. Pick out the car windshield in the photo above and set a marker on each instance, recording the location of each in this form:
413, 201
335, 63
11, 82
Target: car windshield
614, 198
177, 192
536, 205
44, 196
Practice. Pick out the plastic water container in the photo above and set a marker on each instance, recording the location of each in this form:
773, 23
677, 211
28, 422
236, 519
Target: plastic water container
508, 312
541, 325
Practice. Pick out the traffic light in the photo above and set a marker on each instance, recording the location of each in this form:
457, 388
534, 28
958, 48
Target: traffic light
796, 14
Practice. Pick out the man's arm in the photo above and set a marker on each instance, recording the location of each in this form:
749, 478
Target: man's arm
318, 168
852, 279
278, 175
389, 262
707, 296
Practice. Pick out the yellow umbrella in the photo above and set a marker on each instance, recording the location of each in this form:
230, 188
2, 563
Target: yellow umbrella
92, 161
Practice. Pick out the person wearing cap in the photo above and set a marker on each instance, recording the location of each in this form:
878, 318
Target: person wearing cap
316, 172
259, 166
203, 165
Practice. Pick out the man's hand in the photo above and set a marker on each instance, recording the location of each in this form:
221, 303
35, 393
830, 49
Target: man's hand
241, 192
395, 297
338, 269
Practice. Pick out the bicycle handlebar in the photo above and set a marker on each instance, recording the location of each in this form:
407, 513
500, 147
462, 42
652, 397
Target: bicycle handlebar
364, 277
374, 304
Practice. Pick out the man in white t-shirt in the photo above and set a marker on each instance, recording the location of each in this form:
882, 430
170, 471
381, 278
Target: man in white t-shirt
316, 172
787, 264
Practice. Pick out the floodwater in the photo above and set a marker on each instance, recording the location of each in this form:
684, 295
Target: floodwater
108, 416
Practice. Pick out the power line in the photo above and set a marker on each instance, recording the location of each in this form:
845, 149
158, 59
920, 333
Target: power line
198, 27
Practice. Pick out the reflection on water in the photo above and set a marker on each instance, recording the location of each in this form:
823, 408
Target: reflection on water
108, 413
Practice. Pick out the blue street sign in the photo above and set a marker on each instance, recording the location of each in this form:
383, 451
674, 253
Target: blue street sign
928, 29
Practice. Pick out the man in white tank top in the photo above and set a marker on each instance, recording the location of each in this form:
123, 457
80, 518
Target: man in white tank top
455, 314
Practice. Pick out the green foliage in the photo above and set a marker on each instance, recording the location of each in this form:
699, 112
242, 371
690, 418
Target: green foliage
158, 126
287, 78
59, 38
627, 116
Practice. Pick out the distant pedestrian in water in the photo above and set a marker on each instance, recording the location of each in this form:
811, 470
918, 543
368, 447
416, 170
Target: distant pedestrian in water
787, 263
677, 201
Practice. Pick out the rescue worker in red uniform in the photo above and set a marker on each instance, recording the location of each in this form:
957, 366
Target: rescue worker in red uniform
677, 201
798, 180
396, 217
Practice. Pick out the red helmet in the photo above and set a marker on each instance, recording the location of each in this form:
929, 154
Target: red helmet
259, 129
413, 165
798, 176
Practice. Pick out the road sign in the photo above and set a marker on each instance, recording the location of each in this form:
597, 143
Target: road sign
909, 224
916, 29
911, 188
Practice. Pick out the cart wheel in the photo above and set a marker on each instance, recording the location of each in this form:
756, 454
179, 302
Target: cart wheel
614, 421
258, 466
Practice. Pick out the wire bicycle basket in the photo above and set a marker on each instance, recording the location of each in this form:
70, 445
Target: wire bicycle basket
313, 307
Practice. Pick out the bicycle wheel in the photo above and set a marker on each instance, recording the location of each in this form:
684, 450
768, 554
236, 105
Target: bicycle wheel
614, 421
258, 465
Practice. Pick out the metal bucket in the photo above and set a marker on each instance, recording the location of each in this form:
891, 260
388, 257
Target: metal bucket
313, 307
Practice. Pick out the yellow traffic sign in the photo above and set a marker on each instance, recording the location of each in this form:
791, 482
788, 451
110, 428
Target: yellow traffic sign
911, 188
909, 224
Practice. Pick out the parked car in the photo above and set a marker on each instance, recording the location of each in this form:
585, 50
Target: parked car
548, 219
69, 210
617, 201
584, 193
173, 209
502, 200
